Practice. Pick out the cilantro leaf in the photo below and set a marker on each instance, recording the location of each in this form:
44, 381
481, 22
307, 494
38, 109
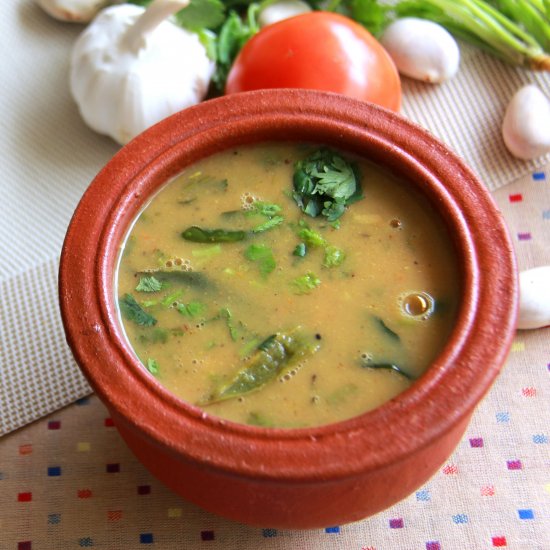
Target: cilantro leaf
199, 14
325, 183
132, 311
233, 35
263, 255
334, 256
148, 284
191, 309
306, 283
152, 366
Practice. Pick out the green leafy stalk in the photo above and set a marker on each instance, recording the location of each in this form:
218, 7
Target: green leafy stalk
516, 32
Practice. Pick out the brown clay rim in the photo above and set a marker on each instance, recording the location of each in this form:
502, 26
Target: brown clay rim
444, 396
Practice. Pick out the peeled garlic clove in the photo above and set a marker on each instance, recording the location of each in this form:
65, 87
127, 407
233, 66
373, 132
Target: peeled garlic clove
526, 123
534, 298
77, 11
422, 49
129, 70
283, 9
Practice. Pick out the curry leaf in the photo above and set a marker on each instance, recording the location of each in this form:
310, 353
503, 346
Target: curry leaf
271, 359
132, 311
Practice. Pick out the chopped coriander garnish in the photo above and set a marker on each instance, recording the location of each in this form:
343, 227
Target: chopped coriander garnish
148, 284
263, 255
306, 283
334, 256
300, 250
152, 366
132, 311
325, 183
191, 309
269, 224
172, 298
311, 238
267, 209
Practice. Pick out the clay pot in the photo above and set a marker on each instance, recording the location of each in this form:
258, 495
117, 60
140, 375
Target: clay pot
302, 478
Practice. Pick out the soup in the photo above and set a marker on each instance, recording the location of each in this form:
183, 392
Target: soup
287, 285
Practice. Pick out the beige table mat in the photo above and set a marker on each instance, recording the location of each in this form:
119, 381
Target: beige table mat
49, 157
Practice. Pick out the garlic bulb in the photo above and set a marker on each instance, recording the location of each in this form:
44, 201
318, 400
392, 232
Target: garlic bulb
77, 11
526, 123
283, 9
131, 68
422, 49
534, 298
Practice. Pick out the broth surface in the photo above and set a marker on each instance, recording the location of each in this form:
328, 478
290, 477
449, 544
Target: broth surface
353, 311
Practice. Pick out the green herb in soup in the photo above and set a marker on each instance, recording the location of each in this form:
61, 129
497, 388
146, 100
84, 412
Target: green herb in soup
285, 285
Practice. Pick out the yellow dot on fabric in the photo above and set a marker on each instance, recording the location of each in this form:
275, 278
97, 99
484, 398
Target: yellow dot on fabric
83, 446
174, 512
547, 488
518, 346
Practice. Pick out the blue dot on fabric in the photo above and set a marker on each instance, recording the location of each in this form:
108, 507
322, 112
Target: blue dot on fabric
335, 529
146, 538
54, 519
85, 542
540, 439
503, 417
526, 514
269, 533
423, 496
460, 518
54, 471
537, 176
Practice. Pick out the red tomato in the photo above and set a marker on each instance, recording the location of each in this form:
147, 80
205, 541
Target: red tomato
321, 51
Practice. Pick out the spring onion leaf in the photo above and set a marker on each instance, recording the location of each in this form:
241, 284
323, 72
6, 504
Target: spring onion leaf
132, 311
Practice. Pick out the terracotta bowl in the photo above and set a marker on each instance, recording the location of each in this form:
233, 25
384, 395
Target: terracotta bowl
301, 478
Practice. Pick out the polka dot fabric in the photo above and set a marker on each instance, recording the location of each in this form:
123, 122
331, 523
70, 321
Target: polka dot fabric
68, 481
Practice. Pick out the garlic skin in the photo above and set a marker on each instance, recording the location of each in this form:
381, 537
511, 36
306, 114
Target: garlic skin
277, 11
422, 49
534, 298
526, 123
74, 11
126, 76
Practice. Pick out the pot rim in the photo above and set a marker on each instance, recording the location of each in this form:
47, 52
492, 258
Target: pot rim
442, 397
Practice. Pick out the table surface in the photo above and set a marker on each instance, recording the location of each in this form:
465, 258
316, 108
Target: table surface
67, 479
